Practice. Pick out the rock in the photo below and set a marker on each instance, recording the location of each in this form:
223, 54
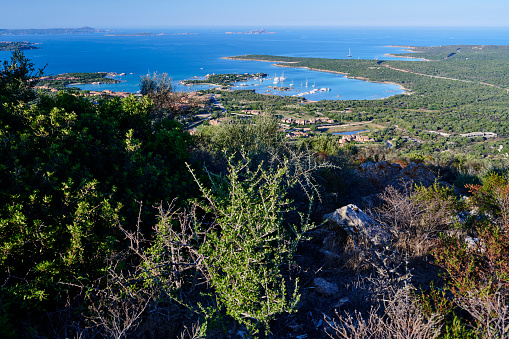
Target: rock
324, 287
475, 244
358, 225
342, 302
414, 173
378, 174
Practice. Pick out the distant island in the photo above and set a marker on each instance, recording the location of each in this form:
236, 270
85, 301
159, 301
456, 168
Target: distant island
149, 34
256, 31
137, 34
17, 45
50, 31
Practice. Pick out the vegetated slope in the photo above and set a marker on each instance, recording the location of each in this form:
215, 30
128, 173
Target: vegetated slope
463, 101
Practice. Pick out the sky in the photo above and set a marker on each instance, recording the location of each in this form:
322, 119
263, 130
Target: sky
255, 13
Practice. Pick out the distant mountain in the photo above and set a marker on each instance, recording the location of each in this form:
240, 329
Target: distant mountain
49, 31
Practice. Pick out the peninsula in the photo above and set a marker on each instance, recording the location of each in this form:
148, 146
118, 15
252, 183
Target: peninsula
226, 80
17, 45
61, 81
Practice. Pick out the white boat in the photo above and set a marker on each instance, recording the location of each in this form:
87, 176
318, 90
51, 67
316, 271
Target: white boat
291, 83
349, 54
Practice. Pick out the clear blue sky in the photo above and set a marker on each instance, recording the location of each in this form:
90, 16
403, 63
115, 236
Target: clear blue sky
252, 13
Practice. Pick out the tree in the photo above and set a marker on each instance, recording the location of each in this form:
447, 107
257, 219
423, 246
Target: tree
18, 78
167, 102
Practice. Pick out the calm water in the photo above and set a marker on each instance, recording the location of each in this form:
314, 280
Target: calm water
185, 56
350, 132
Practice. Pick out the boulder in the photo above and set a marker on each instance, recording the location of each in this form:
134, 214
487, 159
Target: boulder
324, 287
378, 174
358, 225
414, 173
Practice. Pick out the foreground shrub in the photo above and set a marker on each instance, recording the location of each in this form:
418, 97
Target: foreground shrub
248, 244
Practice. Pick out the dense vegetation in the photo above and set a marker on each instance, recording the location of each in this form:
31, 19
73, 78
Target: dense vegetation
225, 79
18, 45
116, 222
61, 81
464, 93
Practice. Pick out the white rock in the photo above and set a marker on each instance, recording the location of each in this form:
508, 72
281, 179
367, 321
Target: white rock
358, 224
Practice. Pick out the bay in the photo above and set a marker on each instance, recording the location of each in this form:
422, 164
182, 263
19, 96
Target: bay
183, 56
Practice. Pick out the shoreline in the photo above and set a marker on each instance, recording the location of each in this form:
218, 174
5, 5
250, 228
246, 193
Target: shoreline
261, 60
406, 57
279, 64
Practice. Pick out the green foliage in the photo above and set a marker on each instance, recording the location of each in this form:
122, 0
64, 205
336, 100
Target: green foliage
254, 135
225, 79
71, 172
325, 145
481, 266
248, 244
61, 81
458, 330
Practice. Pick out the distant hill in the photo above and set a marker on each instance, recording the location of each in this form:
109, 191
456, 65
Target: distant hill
49, 31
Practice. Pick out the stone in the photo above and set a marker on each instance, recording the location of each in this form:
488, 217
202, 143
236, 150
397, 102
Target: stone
378, 174
358, 225
414, 173
324, 287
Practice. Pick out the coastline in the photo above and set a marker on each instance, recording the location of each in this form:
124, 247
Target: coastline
282, 64
242, 59
405, 57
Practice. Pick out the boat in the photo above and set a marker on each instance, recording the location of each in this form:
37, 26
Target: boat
291, 85
349, 54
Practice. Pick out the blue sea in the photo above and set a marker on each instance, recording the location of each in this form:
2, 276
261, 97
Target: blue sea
183, 56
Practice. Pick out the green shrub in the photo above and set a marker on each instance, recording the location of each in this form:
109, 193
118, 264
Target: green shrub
247, 245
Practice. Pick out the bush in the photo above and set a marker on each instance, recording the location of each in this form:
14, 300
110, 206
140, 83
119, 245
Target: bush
247, 244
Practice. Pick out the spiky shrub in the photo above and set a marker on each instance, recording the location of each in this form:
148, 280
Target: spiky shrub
248, 244
402, 318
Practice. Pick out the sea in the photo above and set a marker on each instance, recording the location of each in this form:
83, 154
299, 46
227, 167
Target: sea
187, 52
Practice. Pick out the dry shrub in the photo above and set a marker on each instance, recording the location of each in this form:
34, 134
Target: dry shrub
402, 318
491, 313
417, 216
482, 267
150, 282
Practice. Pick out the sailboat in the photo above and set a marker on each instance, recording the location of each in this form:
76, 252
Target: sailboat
282, 77
291, 85
314, 83
306, 82
349, 54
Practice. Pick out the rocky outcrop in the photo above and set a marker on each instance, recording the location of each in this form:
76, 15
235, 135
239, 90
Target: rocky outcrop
358, 225
378, 174
414, 173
